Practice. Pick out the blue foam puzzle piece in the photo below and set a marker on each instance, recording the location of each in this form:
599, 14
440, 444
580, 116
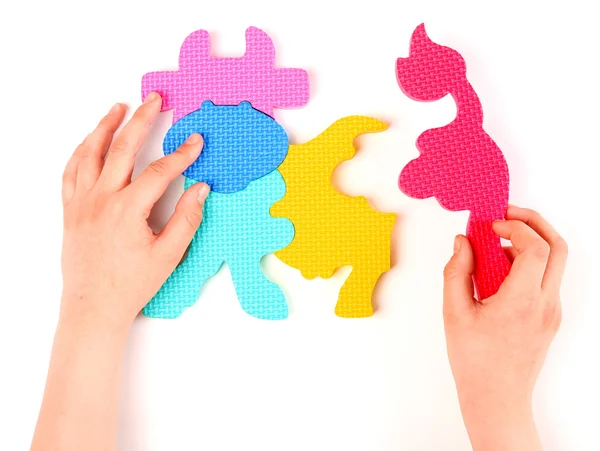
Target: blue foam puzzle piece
237, 229
241, 144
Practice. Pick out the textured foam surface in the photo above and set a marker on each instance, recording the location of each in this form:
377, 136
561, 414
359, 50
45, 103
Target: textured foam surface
237, 229
241, 144
459, 164
331, 229
228, 81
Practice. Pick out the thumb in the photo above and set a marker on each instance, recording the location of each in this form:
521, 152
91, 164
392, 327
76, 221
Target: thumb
458, 277
181, 228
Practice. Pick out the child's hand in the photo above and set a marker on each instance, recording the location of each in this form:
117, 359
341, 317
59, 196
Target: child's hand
112, 265
112, 262
497, 347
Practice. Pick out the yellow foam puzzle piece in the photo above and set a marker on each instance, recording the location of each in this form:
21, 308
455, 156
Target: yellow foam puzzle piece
331, 229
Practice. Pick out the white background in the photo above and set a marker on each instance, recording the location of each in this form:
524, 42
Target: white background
217, 379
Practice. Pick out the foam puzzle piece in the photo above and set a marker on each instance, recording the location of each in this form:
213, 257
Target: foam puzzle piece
241, 144
331, 229
228, 81
459, 164
236, 229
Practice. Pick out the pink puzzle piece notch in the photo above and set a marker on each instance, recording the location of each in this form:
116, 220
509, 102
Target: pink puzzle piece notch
459, 164
228, 81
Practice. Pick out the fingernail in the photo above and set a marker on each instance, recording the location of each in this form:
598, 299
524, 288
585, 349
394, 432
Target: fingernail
456, 244
116, 107
194, 138
202, 193
151, 97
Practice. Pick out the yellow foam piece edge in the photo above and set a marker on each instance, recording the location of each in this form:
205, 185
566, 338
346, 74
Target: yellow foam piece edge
331, 229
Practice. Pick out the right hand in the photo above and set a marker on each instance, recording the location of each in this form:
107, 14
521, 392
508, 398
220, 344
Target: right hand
497, 347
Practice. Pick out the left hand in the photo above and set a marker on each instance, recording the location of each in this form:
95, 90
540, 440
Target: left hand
112, 262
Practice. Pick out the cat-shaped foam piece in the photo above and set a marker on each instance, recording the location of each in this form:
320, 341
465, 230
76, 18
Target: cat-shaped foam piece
331, 229
236, 229
459, 164
228, 81
241, 144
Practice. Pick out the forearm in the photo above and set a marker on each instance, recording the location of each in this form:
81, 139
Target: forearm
79, 409
500, 424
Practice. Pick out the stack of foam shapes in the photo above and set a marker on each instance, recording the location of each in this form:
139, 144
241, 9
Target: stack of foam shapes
230, 101
459, 164
241, 144
228, 81
331, 229
236, 229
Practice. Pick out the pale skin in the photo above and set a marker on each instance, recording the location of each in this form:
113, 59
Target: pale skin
113, 264
497, 347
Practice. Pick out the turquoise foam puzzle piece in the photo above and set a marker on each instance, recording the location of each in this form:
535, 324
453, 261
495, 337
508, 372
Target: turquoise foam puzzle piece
239, 230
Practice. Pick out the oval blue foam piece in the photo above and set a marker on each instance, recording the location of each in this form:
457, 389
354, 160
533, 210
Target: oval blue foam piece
241, 144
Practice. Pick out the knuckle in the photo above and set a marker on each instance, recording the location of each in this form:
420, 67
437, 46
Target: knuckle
450, 315
87, 154
103, 128
557, 320
520, 228
80, 150
540, 250
158, 167
509, 291
560, 246
172, 258
67, 176
194, 219
179, 157
119, 148
524, 311
532, 215
183, 151
143, 116
114, 205
450, 271
552, 317
104, 123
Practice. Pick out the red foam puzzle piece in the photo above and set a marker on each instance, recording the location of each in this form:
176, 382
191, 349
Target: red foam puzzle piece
228, 81
459, 164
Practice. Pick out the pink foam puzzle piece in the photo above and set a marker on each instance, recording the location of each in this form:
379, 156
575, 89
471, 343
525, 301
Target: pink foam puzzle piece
459, 164
228, 81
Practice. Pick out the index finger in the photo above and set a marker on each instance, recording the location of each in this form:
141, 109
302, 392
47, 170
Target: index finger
152, 183
531, 257
118, 167
558, 246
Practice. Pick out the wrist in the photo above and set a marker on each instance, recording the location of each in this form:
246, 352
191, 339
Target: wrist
82, 318
80, 403
500, 423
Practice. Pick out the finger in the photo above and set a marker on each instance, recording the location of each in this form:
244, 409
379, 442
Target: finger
97, 143
511, 253
69, 178
118, 167
153, 182
529, 265
558, 246
458, 278
184, 223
